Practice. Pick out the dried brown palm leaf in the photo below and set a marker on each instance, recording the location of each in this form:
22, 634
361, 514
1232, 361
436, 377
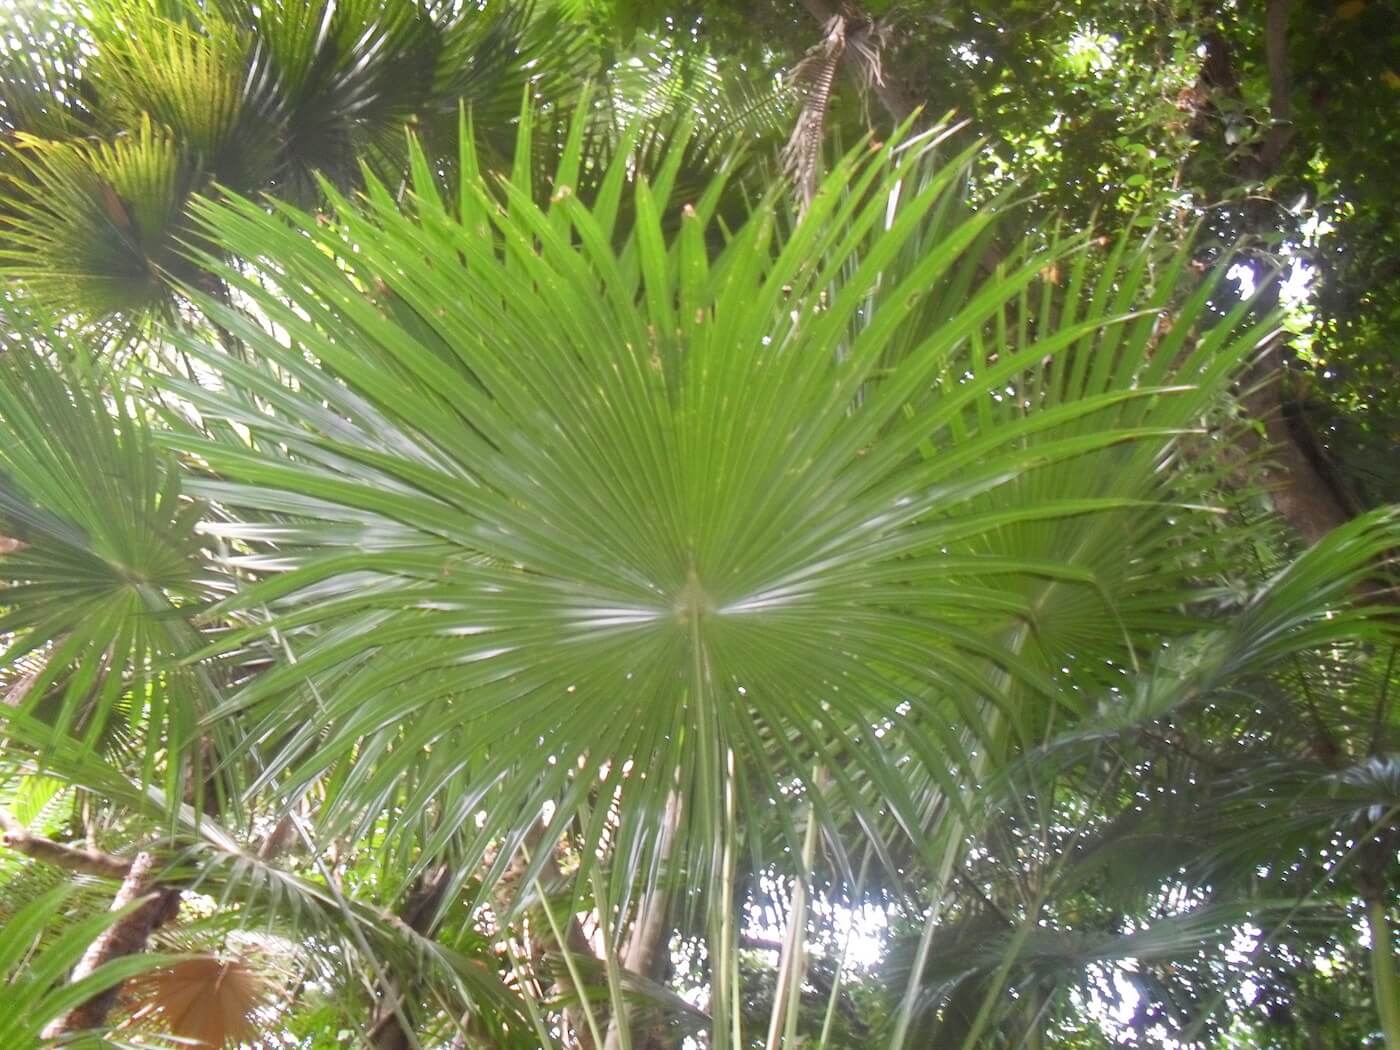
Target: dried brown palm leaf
813, 78
209, 1001
850, 36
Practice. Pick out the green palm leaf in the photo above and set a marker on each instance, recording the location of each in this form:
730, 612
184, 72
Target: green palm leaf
41, 90
160, 99
109, 566
659, 517
35, 972
87, 225
194, 75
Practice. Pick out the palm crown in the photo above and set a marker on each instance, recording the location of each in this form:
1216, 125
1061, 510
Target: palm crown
165, 100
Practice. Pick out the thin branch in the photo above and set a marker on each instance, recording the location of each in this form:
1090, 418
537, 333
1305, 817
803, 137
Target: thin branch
69, 858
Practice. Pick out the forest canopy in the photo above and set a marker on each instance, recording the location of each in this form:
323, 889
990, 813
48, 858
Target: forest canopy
625, 525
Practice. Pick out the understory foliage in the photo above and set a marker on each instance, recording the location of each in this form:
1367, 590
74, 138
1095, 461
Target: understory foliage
558, 593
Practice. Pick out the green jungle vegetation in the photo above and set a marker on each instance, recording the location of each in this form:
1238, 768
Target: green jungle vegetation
624, 525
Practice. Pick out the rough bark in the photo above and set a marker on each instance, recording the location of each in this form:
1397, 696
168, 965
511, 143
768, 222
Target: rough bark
898, 103
578, 946
539, 939
1280, 131
1302, 492
279, 839
127, 936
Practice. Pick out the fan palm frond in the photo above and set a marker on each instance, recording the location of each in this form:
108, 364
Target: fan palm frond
88, 226
195, 79
110, 564
156, 99
42, 88
670, 518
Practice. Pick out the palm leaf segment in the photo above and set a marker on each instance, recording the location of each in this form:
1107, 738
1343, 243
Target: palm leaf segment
41, 90
90, 223
563, 512
1205, 832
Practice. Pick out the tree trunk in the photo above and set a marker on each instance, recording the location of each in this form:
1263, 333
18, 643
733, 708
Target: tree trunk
1302, 492
127, 936
898, 103
538, 939
419, 913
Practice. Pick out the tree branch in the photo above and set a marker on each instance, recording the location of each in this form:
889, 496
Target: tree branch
70, 858
127, 936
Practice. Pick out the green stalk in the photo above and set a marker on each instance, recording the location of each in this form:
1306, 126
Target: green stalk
940, 886
729, 943
1000, 681
531, 1006
799, 931
332, 882
841, 963
952, 839
782, 1022
716, 807
1383, 972
621, 1025
1018, 940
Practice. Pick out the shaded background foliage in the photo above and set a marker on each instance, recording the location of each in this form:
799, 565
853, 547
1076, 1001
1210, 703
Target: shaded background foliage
1164, 113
